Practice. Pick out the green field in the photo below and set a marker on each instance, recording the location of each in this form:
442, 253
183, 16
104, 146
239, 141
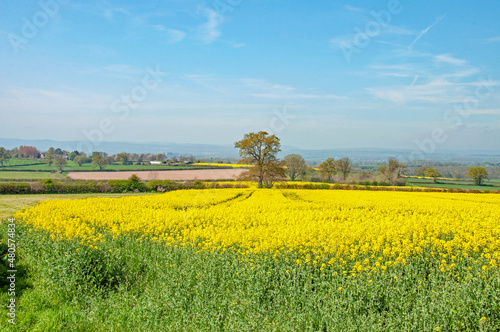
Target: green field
453, 184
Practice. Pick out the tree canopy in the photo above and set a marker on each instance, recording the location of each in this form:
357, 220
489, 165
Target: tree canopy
99, 161
344, 166
393, 170
328, 169
432, 173
261, 149
478, 174
295, 166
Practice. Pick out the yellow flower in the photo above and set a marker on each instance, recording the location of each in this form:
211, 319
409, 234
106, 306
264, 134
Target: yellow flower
357, 231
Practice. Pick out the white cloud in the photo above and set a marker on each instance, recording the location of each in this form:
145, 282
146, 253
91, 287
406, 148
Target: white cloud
175, 36
238, 45
462, 73
348, 40
486, 111
493, 40
297, 96
210, 31
51, 102
447, 58
265, 85
438, 90
204, 81
354, 9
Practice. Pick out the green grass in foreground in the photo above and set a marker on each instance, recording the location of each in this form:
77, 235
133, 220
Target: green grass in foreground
128, 285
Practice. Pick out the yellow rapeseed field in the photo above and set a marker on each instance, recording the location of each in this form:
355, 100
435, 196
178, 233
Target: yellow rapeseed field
367, 231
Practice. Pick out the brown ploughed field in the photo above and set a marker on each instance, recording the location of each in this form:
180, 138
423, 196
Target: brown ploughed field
202, 174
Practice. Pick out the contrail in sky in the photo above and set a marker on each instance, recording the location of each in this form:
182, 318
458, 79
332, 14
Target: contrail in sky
439, 19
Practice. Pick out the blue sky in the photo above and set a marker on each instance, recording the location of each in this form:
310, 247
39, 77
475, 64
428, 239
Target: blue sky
322, 74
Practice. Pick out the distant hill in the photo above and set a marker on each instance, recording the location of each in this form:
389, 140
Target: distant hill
228, 151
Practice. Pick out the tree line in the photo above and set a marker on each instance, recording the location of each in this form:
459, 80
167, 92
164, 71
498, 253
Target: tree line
59, 157
261, 150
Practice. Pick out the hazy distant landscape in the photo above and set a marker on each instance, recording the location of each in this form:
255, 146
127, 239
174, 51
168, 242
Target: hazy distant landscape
212, 152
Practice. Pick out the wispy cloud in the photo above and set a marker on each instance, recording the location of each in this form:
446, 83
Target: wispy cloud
210, 31
234, 45
354, 9
204, 81
438, 90
297, 96
121, 71
423, 32
487, 111
265, 89
492, 40
265, 85
51, 102
447, 58
462, 73
434, 91
174, 36
414, 80
348, 39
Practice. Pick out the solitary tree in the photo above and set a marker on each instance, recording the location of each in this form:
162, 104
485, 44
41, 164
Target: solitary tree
260, 149
344, 166
295, 166
99, 161
328, 169
432, 173
478, 174
60, 162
